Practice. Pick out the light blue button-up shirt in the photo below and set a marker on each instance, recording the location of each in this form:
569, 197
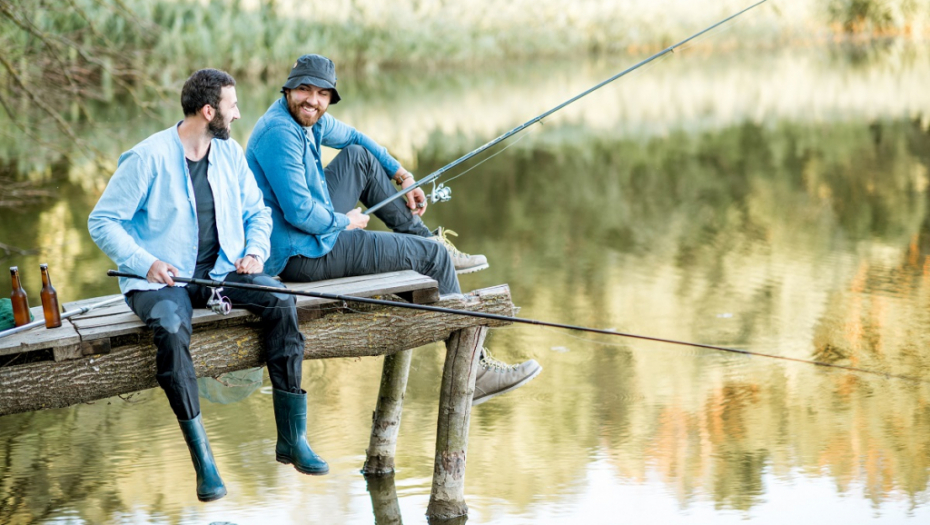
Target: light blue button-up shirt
147, 211
285, 158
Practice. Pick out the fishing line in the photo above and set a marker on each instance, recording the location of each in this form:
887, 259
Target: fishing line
715, 33
489, 157
510, 319
438, 173
531, 130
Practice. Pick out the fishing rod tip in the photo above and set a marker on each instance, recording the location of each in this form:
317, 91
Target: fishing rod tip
112, 273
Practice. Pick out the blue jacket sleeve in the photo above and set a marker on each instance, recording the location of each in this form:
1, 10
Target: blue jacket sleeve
339, 135
122, 198
280, 153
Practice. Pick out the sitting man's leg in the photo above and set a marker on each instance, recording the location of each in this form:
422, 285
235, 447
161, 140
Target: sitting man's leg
168, 313
284, 350
355, 175
361, 252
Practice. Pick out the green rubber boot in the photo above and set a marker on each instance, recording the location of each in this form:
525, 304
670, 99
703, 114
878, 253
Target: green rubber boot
209, 485
290, 414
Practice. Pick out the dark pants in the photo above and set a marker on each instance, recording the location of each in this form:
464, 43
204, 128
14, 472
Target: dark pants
356, 175
168, 313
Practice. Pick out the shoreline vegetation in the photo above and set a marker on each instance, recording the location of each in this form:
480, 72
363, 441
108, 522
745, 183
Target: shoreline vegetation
98, 47
64, 60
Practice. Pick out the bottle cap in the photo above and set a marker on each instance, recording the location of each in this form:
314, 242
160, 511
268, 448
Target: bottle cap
43, 266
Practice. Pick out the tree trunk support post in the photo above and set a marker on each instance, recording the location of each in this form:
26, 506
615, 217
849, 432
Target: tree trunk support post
385, 420
463, 350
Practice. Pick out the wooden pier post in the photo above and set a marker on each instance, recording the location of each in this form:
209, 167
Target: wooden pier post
385, 421
463, 348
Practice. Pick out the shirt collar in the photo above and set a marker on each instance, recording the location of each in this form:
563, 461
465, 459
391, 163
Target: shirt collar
177, 140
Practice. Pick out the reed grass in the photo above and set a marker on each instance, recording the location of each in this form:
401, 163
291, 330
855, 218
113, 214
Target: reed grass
251, 37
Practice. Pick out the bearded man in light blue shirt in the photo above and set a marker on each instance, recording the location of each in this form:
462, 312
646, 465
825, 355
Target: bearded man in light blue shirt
319, 233
184, 203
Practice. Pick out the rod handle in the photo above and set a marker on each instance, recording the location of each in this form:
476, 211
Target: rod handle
115, 273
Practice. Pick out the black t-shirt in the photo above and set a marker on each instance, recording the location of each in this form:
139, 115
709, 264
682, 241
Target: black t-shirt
208, 247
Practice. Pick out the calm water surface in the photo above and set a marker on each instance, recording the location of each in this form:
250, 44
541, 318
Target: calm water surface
777, 203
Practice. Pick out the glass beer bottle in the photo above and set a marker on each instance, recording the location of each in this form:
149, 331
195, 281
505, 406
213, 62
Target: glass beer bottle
49, 300
18, 297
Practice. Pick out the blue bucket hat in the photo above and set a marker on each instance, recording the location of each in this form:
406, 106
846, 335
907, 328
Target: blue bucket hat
314, 70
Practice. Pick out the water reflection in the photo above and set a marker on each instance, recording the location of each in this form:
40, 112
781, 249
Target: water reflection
384, 500
779, 218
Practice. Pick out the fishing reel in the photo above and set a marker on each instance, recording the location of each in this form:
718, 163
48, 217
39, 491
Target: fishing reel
219, 303
440, 193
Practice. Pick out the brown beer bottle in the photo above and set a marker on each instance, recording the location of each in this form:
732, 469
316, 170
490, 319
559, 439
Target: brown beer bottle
49, 300
21, 314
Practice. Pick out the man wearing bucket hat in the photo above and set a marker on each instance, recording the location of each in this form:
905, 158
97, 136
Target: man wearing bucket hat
318, 233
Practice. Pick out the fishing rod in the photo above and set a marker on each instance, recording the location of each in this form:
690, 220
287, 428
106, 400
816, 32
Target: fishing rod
72, 313
443, 193
210, 283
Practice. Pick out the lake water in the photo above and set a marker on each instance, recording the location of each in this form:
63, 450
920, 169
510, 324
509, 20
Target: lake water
772, 201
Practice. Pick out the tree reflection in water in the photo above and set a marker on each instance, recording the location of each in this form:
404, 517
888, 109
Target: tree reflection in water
787, 233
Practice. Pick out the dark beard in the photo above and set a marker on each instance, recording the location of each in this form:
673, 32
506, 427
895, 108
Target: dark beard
219, 127
294, 110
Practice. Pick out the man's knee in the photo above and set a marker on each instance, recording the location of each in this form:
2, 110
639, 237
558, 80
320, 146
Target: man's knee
356, 152
434, 251
279, 299
362, 160
169, 319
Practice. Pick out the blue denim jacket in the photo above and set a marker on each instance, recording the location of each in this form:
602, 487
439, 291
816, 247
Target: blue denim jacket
147, 211
285, 159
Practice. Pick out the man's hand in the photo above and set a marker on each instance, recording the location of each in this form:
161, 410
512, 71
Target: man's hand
249, 264
416, 199
357, 220
159, 273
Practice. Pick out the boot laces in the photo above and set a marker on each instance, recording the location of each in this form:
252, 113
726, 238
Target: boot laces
489, 362
442, 236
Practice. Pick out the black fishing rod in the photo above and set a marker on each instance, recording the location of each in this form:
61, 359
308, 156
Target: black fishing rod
444, 193
210, 283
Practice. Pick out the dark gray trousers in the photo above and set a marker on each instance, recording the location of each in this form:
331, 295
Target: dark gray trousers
168, 313
356, 175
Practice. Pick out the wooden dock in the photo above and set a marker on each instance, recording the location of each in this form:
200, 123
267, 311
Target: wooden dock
109, 351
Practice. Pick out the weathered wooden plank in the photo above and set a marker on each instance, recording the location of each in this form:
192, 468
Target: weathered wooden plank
106, 332
376, 284
74, 305
201, 315
40, 338
235, 345
120, 320
390, 283
426, 296
105, 311
83, 323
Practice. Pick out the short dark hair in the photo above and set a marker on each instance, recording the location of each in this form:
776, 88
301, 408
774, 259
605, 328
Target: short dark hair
203, 88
